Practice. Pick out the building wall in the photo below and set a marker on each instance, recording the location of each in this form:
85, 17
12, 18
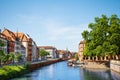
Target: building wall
51, 50
34, 51
11, 46
17, 47
63, 53
37, 54
30, 46
80, 50
23, 52
26, 48
53, 53
4, 48
29, 50
61, 56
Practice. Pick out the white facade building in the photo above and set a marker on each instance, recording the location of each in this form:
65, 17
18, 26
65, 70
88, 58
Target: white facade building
34, 51
23, 52
52, 50
81, 47
5, 42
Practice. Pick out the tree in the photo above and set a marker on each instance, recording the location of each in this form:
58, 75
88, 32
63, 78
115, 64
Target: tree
43, 53
19, 57
12, 57
1, 43
5, 58
113, 50
103, 37
1, 51
76, 56
85, 35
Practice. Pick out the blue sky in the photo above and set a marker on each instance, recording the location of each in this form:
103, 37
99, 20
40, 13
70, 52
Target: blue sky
56, 23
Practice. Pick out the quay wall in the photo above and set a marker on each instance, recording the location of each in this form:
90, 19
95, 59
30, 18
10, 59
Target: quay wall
36, 65
115, 65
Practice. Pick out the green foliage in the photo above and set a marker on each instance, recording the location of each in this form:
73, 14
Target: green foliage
1, 43
99, 51
3, 74
18, 57
115, 38
76, 56
5, 58
1, 51
8, 72
43, 53
85, 35
114, 49
103, 37
12, 56
27, 65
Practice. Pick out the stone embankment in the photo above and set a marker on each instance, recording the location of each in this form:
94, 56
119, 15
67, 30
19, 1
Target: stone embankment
115, 65
96, 65
36, 65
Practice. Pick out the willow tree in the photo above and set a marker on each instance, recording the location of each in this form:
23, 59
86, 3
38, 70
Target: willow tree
103, 37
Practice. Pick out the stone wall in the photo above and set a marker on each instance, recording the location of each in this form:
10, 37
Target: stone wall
115, 65
41, 64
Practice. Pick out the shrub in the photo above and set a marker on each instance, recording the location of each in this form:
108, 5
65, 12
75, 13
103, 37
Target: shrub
27, 65
3, 75
8, 72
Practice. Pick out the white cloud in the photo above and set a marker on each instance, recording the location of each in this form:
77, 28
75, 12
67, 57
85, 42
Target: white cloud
53, 32
64, 36
58, 31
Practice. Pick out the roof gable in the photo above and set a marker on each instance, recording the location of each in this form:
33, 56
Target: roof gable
9, 34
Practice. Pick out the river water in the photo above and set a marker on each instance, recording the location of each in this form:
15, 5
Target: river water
60, 71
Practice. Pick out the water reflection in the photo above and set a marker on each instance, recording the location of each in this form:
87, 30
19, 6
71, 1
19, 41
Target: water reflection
60, 71
100, 74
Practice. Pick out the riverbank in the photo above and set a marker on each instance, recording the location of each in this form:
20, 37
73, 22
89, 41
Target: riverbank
36, 65
112, 65
96, 65
61, 71
115, 65
9, 72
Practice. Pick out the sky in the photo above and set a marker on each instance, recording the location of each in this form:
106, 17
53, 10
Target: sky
57, 23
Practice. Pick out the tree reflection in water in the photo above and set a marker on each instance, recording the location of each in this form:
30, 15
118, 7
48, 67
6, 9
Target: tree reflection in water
100, 74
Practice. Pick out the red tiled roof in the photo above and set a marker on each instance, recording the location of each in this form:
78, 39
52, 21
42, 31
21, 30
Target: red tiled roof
9, 34
12, 35
2, 36
22, 36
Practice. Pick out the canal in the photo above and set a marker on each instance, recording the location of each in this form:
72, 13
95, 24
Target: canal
60, 71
